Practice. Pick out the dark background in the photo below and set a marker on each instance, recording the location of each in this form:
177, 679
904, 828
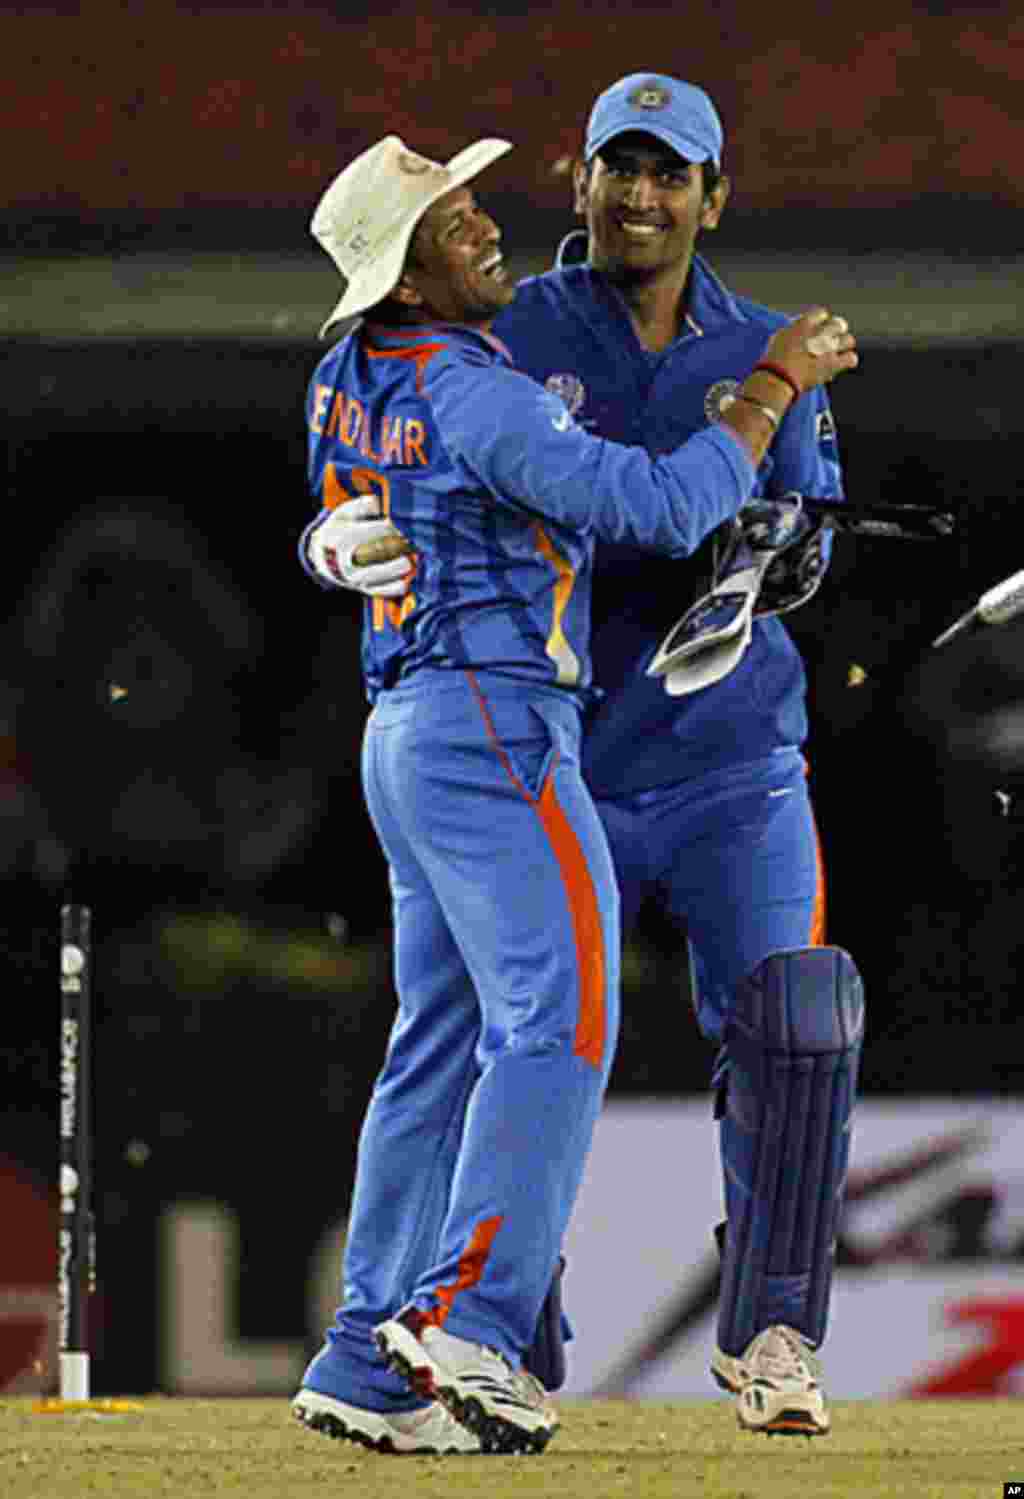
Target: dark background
181, 709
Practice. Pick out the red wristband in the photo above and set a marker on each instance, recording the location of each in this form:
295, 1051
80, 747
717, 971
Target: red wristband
780, 374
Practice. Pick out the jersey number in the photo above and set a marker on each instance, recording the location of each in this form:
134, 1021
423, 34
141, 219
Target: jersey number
369, 481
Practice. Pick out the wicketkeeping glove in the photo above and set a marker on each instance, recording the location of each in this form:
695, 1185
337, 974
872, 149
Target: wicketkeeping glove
795, 548
710, 639
768, 560
334, 535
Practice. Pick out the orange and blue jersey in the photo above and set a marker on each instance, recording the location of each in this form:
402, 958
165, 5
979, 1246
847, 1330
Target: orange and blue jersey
503, 893
503, 496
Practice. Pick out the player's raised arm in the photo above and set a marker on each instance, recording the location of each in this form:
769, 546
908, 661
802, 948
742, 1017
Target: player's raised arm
521, 442
812, 350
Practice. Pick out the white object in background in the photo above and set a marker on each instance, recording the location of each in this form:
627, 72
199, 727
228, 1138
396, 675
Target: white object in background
74, 1376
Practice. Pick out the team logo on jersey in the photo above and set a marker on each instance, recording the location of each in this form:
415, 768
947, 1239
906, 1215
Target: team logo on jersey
825, 427
649, 96
569, 389
718, 398
415, 165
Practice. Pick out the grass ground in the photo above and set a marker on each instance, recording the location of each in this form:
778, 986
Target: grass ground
189, 1449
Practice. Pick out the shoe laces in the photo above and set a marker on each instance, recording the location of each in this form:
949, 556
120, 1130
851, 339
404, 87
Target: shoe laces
531, 1387
526, 1385
781, 1353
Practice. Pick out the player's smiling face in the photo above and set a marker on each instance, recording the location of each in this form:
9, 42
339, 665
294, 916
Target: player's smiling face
455, 267
643, 205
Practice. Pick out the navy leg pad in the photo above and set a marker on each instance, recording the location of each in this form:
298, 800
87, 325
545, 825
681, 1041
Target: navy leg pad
545, 1357
788, 1084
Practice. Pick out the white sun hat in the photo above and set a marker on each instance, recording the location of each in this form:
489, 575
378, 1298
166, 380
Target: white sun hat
367, 216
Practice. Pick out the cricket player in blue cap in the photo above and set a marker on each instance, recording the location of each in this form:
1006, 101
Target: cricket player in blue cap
700, 783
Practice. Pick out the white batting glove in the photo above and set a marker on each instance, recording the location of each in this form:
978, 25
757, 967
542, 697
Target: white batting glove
332, 540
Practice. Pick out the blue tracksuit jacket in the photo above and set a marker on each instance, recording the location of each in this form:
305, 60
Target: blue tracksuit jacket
571, 331
503, 496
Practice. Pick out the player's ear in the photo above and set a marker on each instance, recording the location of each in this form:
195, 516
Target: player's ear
580, 184
714, 203
406, 292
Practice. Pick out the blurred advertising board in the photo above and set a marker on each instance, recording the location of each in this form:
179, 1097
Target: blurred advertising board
929, 1297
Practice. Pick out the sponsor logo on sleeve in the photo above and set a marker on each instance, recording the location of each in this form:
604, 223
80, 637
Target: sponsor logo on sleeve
825, 427
569, 389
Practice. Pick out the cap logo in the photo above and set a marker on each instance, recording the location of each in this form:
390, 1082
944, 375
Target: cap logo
649, 96
415, 165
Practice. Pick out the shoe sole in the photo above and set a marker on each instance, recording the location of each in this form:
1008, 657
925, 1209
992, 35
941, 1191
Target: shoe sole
790, 1421
323, 1415
496, 1434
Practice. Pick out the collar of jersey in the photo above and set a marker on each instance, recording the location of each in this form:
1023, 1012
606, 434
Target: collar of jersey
386, 335
710, 300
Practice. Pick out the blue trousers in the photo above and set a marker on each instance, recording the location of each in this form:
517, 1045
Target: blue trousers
733, 856
506, 923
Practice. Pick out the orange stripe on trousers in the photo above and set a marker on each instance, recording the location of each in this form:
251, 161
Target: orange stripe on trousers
472, 1263
583, 905
586, 921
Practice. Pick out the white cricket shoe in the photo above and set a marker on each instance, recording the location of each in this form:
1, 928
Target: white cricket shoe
777, 1384
430, 1431
507, 1409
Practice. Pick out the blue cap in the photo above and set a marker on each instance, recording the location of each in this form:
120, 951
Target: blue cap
680, 114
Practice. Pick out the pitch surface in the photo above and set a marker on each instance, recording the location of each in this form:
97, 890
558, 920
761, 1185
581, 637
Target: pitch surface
189, 1449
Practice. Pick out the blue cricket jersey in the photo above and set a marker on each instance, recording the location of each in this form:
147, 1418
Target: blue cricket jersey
571, 331
502, 495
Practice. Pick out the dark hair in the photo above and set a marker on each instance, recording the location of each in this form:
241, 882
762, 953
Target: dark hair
388, 310
712, 176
